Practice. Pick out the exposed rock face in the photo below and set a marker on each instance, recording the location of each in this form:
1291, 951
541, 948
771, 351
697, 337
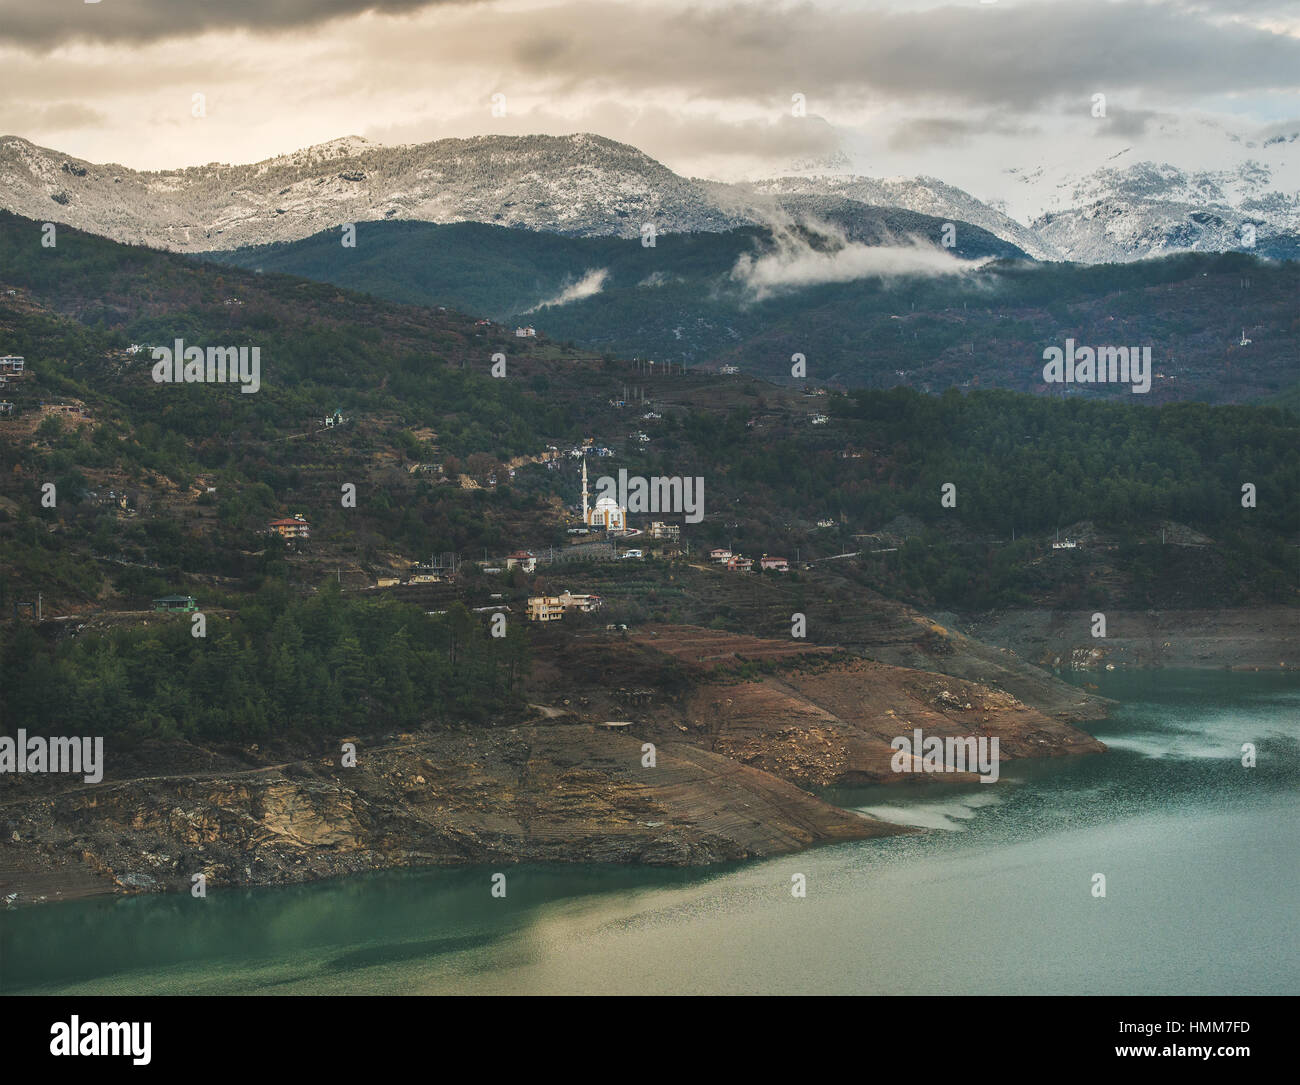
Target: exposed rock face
835, 726
731, 754
554, 792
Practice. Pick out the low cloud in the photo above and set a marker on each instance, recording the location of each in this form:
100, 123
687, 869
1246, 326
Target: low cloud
814, 254
592, 283
919, 132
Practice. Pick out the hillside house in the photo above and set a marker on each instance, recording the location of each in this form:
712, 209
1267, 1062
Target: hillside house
545, 608
293, 528
523, 559
526, 333
660, 530
12, 364
776, 565
740, 564
720, 555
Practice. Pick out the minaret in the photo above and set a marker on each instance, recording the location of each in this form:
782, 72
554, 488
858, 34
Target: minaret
586, 519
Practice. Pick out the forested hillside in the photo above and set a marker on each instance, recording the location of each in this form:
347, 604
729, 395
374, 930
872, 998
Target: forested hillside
699, 300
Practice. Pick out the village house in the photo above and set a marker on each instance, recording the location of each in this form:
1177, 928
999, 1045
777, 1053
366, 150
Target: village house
660, 530
545, 608
523, 559
526, 333
776, 565
720, 555
12, 363
584, 603
295, 528
737, 563
551, 608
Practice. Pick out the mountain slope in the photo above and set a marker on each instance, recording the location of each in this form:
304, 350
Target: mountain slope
579, 185
690, 300
585, 185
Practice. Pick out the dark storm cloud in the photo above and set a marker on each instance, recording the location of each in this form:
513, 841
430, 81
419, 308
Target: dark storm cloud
1017, 57
43, 24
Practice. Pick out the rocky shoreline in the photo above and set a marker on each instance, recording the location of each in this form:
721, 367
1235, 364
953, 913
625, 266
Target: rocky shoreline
733, 759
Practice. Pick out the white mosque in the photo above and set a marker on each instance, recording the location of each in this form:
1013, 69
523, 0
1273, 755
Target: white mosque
607, 513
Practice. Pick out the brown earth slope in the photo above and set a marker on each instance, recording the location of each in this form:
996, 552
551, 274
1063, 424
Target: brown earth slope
732, 750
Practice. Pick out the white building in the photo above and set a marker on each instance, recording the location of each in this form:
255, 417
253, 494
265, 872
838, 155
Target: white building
522, 558
526, 333
606, 513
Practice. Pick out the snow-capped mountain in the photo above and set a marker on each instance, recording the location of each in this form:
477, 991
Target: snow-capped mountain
587, 185
577, 185
581, 185
1210, 190
922, 194
1149, 210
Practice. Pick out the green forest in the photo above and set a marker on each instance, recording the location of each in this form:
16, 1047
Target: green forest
680, 301
284, 665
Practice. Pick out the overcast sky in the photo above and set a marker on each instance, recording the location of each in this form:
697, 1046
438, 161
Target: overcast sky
958, 90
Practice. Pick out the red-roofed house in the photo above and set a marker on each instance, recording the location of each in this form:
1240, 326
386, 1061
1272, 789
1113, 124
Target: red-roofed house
523, 559
295, 528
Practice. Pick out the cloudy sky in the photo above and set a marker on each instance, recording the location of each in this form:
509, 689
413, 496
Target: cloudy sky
959, 89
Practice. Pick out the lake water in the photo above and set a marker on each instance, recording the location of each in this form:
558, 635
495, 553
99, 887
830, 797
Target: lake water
1201, 858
